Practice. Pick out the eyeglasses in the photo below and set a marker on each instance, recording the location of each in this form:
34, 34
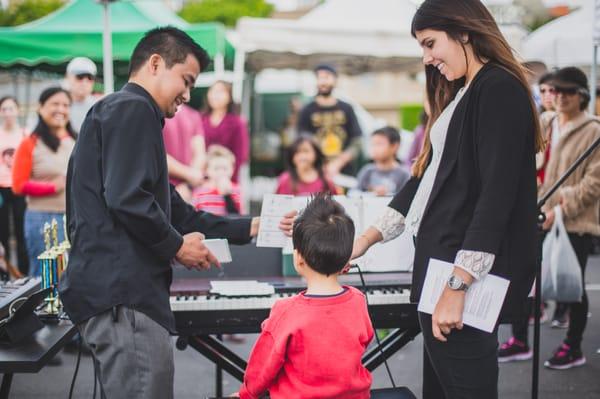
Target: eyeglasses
82, 76
549, 90
568, 91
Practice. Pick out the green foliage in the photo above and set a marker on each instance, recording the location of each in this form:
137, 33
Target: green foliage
224, 11
538, 22
23, 11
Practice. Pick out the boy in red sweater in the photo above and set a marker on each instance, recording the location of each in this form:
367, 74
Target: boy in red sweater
311, 345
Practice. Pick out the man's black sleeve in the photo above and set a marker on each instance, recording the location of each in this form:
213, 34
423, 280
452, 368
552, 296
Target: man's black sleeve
354, 129
186, 220
130, 172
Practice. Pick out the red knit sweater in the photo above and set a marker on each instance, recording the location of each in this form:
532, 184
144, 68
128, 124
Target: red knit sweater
311, 347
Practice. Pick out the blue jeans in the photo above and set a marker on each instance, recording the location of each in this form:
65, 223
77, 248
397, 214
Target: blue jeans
34, 236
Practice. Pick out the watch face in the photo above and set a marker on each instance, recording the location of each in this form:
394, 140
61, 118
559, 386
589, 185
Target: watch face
454, 282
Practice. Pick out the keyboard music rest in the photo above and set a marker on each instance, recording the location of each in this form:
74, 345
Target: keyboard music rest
13, 290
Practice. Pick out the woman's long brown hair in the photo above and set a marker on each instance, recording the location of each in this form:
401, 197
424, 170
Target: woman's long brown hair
457, 18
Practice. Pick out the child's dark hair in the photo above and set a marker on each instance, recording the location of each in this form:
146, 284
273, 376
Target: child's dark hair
324, 234
389, 132
319, 161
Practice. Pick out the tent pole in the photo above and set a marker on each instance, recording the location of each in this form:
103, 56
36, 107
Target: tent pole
238, 74
27, 94
219, 66
107, 61
593, 81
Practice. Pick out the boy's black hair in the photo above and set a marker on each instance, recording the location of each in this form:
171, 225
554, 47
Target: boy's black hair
324, 234
389, 132
172, 44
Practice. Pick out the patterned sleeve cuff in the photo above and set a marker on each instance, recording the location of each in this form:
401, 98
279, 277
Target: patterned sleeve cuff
476, 263
390, 224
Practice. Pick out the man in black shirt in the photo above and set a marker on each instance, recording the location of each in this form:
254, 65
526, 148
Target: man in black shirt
126, 223
333, 123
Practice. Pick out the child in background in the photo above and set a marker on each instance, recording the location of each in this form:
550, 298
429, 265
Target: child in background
305, 173
218, 194
385, 175
312, 344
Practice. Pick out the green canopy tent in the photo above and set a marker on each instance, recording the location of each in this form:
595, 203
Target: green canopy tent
76, 30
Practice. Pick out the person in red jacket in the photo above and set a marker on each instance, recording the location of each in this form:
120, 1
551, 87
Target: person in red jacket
312, 344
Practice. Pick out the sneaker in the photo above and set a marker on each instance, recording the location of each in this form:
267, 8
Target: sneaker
513, 350
565, 358
561, 322
561, 316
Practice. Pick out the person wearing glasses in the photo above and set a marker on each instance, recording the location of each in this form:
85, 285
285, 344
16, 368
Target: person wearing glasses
573, 131
80, 78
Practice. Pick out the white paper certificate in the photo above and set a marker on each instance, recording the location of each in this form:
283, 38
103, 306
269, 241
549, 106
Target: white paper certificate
273, 208
483, 301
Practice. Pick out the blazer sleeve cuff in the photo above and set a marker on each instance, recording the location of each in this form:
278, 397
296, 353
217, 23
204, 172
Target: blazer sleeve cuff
477, 264
167, 248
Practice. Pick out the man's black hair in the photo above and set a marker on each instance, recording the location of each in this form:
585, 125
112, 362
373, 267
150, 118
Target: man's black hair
389, 132
172, 44
324, 234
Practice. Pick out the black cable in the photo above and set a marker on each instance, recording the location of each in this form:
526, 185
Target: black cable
95, 376
387, 367
76, 369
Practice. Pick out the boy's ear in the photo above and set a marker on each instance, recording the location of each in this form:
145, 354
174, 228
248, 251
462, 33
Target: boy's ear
299, 259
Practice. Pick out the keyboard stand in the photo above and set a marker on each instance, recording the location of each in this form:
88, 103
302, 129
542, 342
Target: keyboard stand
212, 348
391, 344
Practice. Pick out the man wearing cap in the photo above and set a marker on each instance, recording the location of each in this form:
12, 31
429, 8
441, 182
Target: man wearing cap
332, 122
571, 131
80, 77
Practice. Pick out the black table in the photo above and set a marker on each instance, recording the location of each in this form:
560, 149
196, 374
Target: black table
30, 355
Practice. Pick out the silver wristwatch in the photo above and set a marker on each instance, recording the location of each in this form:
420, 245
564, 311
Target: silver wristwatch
456, 283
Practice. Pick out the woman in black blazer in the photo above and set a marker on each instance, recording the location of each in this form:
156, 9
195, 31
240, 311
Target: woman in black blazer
471, 200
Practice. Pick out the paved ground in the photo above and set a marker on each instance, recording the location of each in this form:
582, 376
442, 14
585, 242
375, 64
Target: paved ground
194, 375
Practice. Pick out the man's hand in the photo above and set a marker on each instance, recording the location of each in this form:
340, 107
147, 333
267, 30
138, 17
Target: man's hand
333, 168
193, 254
287, 222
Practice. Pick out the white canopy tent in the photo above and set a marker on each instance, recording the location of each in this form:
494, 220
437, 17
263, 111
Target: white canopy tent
566, 41
356, 35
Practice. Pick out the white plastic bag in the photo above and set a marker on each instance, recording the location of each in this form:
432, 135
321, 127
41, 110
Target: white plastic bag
561, 273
